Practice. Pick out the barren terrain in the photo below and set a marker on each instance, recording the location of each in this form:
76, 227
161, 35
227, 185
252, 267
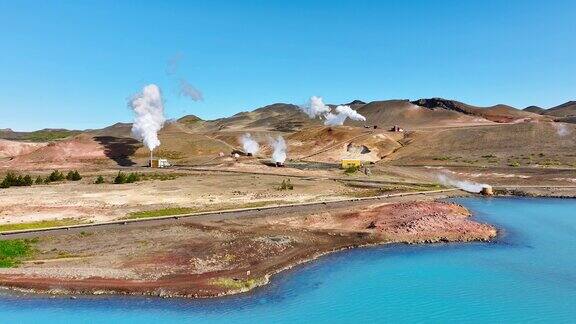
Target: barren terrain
212, 258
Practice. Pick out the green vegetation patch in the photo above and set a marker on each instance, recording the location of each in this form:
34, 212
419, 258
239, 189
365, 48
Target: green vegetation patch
235, 284
123, 178
374, 192
161, 212
11, 179
12, 252
41, 224
286, 185
190, 210
161, 176
48, 135
351, 169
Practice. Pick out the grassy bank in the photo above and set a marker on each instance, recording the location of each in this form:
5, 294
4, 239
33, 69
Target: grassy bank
190, 210
12, 252
41, 224
364, 192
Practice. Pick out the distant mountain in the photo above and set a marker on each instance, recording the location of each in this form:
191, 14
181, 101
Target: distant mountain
409, 115
284, 117
534, 109
116, 130
565, 111
498, 113
43, 135
275, 117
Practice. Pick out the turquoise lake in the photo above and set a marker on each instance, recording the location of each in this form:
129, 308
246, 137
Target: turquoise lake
527, 275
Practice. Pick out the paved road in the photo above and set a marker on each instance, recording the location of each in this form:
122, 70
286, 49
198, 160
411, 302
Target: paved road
279, 211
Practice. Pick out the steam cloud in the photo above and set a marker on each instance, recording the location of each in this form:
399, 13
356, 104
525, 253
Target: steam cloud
464, 185
342, 113
249, 144
279, 149
188, 90
317, 108
561, 129
148, 115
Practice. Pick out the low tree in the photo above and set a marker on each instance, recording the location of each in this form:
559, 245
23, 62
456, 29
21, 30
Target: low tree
56, 176
120, 178
133, 177
27, 180
73, 176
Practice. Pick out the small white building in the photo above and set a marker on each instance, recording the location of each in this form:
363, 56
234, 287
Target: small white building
159, 163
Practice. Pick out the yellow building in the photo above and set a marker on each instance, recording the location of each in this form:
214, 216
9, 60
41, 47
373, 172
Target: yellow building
348, 163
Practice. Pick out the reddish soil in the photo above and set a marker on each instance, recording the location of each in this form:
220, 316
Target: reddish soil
214, 258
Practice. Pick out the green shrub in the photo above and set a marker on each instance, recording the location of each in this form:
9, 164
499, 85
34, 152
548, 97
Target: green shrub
73, 176
27, 180
39, 180
133, 177
99, 180
286, 185
56, 176
120, 178
351, 169
17, 181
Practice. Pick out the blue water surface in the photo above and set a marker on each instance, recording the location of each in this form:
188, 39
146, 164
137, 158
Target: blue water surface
528, 275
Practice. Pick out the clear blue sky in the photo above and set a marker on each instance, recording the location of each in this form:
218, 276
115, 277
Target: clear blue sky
73, 64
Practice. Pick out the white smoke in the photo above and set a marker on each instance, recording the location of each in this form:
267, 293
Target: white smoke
279, 149
188, 90
342, 113
464, 185
561, 129
148, 115
185, 88
249, 144
315, 107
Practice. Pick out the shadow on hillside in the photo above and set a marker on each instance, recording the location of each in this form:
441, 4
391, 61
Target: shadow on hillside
119, 149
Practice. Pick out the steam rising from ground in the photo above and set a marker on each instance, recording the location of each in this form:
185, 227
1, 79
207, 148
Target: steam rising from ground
342, 113
188, 90
249, 144
279, 149
561, 129
317, 108
148, 115
464, 185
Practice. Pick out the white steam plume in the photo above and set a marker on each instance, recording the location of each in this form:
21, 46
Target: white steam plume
342, 113
464, 185
148, 115
249, 144
315, 107
561, 129
188, 90
279, 149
